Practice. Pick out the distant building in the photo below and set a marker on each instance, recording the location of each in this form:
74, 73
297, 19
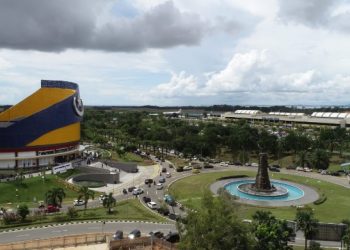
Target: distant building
43, 129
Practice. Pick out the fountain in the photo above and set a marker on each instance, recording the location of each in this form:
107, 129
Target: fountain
262, 185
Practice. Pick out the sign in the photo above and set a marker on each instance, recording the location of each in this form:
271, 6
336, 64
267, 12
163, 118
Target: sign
62, 168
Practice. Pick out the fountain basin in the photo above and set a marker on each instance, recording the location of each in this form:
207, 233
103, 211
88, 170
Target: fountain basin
284, 191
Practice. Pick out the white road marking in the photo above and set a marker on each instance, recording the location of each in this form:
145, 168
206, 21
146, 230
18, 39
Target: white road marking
22, 235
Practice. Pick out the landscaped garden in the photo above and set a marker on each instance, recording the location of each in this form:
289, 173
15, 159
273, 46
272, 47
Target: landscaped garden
334, 199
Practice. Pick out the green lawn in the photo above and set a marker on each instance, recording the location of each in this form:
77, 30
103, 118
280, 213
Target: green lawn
30, 189
124, 210
336, 208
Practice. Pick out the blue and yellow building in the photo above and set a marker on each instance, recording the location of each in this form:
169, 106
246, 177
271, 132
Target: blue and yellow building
43, 129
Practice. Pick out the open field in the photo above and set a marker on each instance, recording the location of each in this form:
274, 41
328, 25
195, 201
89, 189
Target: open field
336, 208
30, 190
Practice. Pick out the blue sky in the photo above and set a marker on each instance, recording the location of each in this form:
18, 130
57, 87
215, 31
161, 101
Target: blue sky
178, 52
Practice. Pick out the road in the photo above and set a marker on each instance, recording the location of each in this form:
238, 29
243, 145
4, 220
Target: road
83, 228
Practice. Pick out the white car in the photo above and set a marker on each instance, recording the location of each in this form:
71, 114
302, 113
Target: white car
187, 168
307, 170
152, 205
299, 169
255, 164
167, 175
78, 202
137, 191
159, 186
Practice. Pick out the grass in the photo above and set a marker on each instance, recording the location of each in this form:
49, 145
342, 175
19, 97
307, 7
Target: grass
131, 157
29, 190
336, 208
124, 210
178, 162
69, 173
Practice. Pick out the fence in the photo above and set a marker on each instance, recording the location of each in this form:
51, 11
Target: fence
65, 241
141, 243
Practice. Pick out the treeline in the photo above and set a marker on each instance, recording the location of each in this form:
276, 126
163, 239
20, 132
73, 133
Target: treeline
136, 129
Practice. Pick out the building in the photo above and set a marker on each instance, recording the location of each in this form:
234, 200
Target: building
43, 129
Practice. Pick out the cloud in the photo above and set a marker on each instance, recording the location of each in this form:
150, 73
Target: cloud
253, 78
330, 14
63, 24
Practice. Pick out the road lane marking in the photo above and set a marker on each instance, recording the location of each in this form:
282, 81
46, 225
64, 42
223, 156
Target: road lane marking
22, 235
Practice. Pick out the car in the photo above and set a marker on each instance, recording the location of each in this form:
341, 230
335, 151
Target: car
291, 167
237, 163
172, 237
134, 234
161, 180
130, 189
179, 169
118, 235
152, 205
208, 166
273, 169
146, 199
169, 199
52, 209
148, 181
276, 166
307, 169
247, 164
324, 172
299, 169
157, 234
254, 164
173, 216
187, 168
167, 175
137, 191
159, 186
223, 164
164, 170
78, 202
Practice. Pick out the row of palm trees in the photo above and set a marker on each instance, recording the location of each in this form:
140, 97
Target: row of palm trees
55, 197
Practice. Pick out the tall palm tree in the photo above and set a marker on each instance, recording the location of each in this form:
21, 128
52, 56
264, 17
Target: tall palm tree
109, 202
306, 223
85, 193
320, 159
55, 196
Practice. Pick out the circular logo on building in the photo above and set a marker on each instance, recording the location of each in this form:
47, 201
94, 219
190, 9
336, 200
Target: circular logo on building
78, 106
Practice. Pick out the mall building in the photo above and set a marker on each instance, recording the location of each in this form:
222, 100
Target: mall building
43, 129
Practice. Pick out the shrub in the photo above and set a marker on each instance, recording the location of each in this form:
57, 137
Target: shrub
72, 213
320, 200
9, 218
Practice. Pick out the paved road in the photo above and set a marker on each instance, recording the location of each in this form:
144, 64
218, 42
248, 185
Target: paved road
74, 229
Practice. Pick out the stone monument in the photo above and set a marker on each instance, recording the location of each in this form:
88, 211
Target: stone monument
262, 180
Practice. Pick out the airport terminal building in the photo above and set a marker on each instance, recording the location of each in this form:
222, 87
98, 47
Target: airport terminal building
43, 129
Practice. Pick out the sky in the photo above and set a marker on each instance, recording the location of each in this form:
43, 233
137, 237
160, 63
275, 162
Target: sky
179, 52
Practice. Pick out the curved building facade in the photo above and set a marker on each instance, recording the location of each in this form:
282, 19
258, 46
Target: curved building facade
43, 129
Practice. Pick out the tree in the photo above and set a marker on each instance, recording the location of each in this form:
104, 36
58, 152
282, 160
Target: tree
85, 193
215, 226
55, 196
72, 213
346, 235
270, 233
319, 159
23, 211
306, 222
109, 202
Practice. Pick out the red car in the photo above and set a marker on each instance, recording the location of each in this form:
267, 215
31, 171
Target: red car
52, 209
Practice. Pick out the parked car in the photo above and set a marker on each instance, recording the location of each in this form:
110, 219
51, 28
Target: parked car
137, 191
237, 163
78, 202
247, 164
186, 168
167, 175
276, 166
130, 189
152, 205
164, 170
52, 209
179, 169
134, 234
291, 167
299, 169
307, 169
324, 172
161, 180
169, 200
148, 181
159, 186
172, 237
223, 164
157, 234
118, 235
146, 199
208, 166
254, 164
173, 216
125, 191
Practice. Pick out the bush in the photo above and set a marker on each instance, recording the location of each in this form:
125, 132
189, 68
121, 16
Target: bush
231, 177
320, 200
9, 218
72, 213
23, 211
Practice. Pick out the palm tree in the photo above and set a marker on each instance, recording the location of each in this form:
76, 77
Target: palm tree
306, 223
320, 159
86, 194
55, 196
109, 202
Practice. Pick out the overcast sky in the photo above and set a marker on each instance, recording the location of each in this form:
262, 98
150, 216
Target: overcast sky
179, 52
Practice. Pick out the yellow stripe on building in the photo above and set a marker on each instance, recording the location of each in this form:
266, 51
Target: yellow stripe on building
40, 100
70, 133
